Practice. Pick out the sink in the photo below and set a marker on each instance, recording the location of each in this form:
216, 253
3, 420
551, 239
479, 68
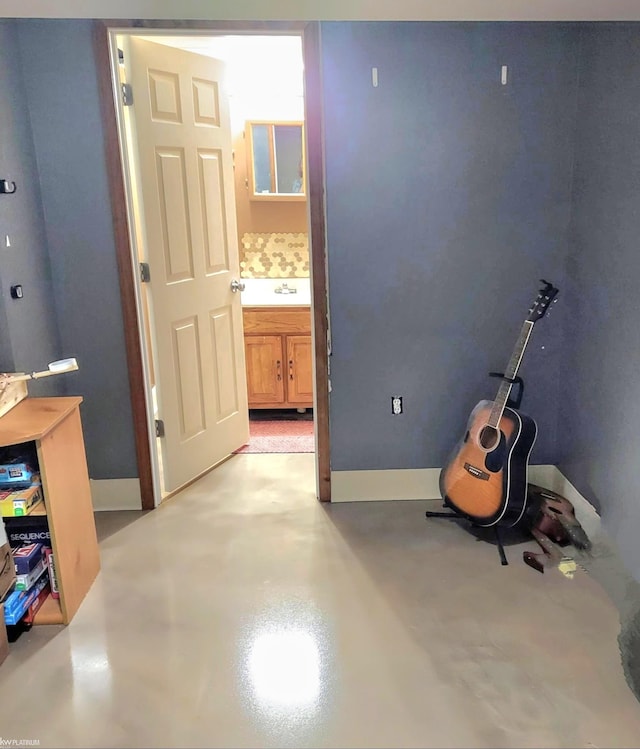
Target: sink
276, 292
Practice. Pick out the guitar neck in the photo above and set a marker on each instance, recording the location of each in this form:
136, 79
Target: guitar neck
510, 373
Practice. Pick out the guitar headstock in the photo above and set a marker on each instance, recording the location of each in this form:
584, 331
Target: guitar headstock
546, 296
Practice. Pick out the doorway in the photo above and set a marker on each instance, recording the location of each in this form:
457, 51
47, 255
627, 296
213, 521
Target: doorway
296, 276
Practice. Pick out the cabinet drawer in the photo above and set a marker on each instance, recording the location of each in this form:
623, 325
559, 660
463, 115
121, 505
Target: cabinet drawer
274, 320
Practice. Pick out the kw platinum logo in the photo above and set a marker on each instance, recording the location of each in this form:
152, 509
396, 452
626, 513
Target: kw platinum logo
19, 742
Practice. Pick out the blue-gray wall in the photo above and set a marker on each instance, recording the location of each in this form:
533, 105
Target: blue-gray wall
28, 330
599, 441
448, 197
60, 81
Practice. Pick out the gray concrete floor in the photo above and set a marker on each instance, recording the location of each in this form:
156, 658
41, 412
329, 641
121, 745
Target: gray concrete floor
243, 613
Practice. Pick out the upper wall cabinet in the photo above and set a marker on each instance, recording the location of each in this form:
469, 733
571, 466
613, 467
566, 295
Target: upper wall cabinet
276, 160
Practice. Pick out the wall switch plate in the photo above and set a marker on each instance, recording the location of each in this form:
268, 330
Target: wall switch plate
16, 292
396, 404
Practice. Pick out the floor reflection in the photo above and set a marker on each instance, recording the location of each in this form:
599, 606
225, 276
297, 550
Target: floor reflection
284, 669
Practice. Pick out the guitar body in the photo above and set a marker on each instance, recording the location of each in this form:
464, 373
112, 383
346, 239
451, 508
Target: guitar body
489, 486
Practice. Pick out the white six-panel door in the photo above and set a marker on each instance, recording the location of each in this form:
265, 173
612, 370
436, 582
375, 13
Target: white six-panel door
183, 136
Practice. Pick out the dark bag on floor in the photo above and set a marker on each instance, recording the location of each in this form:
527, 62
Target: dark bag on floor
553, 515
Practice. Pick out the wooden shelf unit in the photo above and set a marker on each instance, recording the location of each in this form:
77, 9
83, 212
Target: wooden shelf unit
54, 425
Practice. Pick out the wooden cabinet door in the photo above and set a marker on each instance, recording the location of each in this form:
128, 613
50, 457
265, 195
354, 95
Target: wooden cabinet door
265, 368
299, 370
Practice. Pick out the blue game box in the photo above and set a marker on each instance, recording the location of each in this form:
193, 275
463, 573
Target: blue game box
17, 604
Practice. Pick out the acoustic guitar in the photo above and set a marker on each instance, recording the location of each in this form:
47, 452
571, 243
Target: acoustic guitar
485, 479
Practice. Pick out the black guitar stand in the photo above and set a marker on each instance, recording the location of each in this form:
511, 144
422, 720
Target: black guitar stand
513, 402
456, 516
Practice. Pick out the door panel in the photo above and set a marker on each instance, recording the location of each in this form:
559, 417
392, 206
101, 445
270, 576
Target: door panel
213, 199
164, 93
265, 380
223, 344
187, 215
174, 214
300, 370
186, 355
205, 102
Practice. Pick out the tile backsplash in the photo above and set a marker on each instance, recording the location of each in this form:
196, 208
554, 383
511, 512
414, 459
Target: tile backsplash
274, 255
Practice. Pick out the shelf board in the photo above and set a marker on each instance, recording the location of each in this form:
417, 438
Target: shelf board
33, 418
50, 612
39, 509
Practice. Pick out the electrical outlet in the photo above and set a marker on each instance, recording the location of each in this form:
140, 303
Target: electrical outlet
396, 404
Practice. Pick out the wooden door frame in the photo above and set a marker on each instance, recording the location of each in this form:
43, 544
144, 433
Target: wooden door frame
310, 33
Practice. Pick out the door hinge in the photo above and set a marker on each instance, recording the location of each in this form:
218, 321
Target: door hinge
145, 273
159, 428
127, 94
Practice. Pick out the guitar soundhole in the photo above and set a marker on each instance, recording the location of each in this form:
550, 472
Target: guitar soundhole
489, 437
495, 459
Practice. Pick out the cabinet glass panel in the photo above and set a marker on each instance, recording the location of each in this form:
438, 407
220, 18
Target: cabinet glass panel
261, 159
276, 160
288, 158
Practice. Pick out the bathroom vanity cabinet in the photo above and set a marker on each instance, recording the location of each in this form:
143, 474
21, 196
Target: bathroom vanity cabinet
279, 359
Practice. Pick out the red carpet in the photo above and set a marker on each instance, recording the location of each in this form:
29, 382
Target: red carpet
280, 437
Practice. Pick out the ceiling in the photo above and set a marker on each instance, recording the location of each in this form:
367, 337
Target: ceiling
428, 10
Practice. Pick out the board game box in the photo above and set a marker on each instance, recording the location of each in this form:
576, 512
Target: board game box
36, 606
55, 593
28, 530
21, 501
26, 557
24, 582
19, 601
16, 475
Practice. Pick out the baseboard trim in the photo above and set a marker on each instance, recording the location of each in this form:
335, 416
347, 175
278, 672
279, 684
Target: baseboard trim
385, 486
422, 483
115, 494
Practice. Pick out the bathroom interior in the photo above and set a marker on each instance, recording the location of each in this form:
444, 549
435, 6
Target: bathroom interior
267, 114
264, 85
